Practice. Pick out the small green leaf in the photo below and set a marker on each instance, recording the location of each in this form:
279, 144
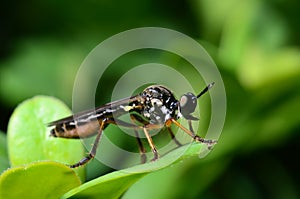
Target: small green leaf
4, 163
37, 180
114, 184
28, 134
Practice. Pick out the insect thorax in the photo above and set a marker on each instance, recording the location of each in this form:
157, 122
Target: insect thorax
159, 104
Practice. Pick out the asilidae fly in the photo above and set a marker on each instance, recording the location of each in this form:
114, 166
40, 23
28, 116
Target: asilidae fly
154, 108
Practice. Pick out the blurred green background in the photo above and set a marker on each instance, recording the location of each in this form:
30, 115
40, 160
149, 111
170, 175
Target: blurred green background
254, 43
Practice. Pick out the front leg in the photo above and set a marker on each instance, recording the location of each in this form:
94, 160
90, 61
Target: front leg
190, 132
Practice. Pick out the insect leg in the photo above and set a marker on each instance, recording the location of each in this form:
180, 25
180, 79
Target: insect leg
190, 126
140, 144
192, 134
93, 151
173, 136
142, 150
150, 141
141, 147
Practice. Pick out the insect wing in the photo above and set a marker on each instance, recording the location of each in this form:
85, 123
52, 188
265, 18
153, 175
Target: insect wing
98, 112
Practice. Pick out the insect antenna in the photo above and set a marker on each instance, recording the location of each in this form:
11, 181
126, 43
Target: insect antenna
205, 89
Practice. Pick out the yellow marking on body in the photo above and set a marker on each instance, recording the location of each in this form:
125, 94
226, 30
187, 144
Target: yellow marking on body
127, 108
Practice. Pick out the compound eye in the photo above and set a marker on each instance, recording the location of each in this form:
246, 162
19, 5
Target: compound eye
188, 103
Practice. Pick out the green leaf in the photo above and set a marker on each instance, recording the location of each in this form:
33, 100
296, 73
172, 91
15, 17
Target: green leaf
114, 184
37, 180
28, 134
4, 163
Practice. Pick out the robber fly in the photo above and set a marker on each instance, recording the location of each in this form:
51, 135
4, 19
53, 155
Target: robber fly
154, 108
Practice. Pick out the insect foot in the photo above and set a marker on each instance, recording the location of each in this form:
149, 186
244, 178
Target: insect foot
210, 143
